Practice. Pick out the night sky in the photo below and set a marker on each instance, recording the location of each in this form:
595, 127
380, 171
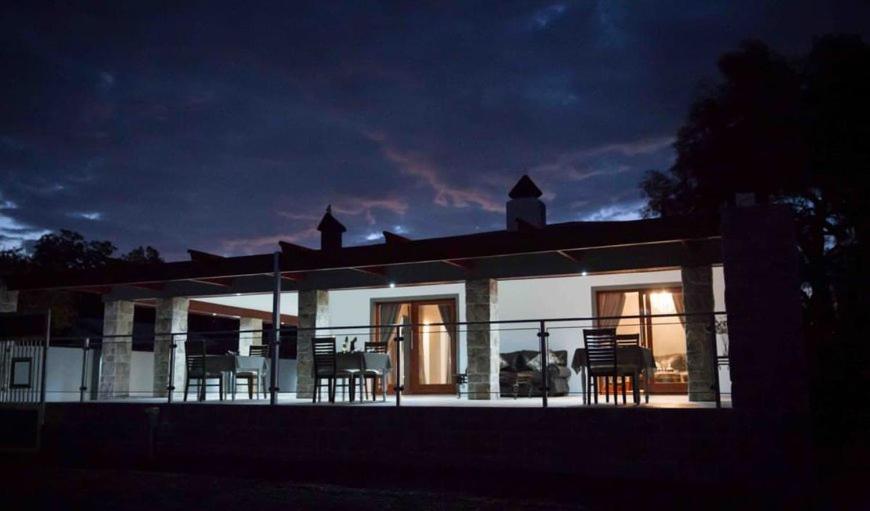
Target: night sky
229, 126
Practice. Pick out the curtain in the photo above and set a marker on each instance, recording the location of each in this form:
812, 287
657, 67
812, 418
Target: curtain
389, 312
446, 312
610, 304
679, 306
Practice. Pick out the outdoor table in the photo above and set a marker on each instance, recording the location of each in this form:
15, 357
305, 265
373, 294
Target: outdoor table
631, 359
357, 362
229, 365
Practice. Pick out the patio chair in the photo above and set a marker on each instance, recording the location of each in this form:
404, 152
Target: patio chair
323, 351
198, 370
631, 341
601, 361
376, 374
255, 378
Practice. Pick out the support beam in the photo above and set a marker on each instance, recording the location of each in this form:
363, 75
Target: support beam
117, 349
170, 317
698, 299
481, 304
313, 312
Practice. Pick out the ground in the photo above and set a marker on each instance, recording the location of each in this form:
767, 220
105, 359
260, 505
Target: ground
119, 490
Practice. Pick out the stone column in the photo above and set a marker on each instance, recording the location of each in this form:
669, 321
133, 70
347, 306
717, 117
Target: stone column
247, 338
170, 317
8, 299
762, 296
313, 312
698, 299
116, 351
481, 304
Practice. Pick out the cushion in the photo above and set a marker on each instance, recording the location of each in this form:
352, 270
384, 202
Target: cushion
534, 363
559, 358
509, 361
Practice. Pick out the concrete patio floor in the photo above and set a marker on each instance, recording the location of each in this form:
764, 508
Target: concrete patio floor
571, 401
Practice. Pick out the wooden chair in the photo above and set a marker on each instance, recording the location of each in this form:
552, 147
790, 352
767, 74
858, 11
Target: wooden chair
631, 341
376, 374
197, 370
255, 378
323, 351
601, 361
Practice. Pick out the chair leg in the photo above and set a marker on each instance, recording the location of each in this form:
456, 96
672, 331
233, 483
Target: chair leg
623, 389
316, 393
186, 387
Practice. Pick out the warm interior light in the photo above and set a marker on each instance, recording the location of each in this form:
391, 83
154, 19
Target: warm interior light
662, 302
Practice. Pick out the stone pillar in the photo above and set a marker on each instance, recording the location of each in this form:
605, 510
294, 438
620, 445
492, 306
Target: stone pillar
8, 299
698, 299
170, 317
247, 338
116, 351
481, 304
762, 296
313, 312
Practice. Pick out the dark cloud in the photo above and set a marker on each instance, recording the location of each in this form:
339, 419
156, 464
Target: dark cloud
226, 126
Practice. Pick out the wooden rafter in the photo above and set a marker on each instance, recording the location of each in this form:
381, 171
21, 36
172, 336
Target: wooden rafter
569, 256
222, 282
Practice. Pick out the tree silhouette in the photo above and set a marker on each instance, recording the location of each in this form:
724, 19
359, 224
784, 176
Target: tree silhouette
793, 132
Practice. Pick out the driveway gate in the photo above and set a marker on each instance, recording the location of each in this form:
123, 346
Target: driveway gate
24, 340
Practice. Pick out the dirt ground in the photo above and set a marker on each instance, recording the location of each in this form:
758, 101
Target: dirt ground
90, 489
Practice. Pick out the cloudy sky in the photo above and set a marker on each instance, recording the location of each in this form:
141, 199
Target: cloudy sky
227, 126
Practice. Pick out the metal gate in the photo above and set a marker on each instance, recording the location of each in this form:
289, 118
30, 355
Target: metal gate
24, 341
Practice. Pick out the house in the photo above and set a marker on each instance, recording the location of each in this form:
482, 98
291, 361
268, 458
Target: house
465, 300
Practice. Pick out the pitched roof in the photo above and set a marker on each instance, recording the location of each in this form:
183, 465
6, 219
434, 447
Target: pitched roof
525, 188
329, 224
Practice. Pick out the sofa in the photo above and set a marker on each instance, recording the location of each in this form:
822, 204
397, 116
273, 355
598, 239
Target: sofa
521, 376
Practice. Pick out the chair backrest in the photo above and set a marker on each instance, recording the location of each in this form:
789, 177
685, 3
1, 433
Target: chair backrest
600, 350
323, 350
259, 350
376, 347
627, 340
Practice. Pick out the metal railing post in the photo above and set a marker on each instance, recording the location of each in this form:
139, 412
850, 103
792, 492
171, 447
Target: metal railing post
274, 350
399, 387
714, 353
86, 342
545, 370
170, 387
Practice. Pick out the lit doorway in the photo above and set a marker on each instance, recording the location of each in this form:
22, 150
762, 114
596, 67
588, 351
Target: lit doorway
429, 349
664, 336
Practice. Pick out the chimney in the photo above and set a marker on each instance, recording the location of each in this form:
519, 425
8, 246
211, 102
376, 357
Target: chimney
330, 231
525, 205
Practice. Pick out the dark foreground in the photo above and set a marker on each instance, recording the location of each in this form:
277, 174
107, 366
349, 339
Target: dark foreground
133, 490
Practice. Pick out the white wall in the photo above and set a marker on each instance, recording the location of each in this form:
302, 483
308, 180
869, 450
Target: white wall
63, 374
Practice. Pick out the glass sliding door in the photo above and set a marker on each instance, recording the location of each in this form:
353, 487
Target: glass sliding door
664, 336
428, 352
